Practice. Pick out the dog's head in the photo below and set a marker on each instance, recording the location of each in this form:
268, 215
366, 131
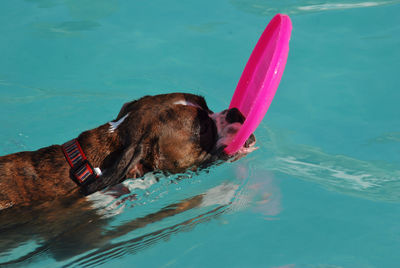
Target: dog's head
169, 133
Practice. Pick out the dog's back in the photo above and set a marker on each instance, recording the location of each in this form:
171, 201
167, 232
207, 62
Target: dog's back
32, 177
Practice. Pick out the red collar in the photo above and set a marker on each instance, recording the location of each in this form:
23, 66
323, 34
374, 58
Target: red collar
81, 171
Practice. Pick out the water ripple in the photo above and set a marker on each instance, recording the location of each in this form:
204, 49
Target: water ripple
263, 8
132, 246
334, 6
376, 180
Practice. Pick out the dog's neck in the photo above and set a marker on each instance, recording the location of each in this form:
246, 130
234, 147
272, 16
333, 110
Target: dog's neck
99, 145
103, 149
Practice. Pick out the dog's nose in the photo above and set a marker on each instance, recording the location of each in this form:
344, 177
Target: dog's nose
250, 141
234, 115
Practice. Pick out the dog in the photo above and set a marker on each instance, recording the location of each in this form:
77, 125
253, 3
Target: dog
168, 134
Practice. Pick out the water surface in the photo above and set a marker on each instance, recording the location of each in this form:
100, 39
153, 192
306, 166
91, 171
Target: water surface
322, 190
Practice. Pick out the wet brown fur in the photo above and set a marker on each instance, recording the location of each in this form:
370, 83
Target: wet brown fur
157, 135
39, 200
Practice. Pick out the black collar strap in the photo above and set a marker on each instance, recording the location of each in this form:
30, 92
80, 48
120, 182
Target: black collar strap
81, 171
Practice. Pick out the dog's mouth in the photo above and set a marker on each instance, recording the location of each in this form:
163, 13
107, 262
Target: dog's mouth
228, 123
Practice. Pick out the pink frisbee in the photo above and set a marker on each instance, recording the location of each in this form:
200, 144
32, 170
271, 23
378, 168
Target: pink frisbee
260, 78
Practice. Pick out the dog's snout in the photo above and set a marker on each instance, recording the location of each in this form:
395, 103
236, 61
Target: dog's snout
250, 141
234, 115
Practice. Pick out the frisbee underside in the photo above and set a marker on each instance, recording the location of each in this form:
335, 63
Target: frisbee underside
260, 78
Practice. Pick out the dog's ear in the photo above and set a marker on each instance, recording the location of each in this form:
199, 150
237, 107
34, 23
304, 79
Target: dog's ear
117, 170
130, 106
125, 109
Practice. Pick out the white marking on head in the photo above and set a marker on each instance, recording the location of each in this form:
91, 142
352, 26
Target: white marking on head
186, 103
114, 125
181, 102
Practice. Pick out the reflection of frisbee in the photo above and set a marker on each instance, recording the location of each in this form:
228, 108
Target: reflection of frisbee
260, 78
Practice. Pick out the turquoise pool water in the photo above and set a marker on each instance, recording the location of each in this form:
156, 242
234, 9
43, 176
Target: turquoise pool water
322, 190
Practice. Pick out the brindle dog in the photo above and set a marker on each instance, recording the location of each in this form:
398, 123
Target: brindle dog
171, 133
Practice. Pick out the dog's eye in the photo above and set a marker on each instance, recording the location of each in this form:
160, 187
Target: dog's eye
204, 128
208, 130
207, 127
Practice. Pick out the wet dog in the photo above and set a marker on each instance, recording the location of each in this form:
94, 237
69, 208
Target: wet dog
169, 133
40, 191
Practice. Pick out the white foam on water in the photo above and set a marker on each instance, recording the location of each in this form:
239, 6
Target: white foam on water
336, 6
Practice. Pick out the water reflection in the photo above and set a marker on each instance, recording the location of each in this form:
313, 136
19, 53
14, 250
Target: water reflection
137, 244
73, 233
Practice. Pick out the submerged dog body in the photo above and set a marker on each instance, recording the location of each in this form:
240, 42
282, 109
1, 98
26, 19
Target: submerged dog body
168, 133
